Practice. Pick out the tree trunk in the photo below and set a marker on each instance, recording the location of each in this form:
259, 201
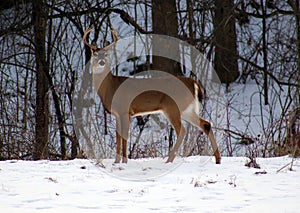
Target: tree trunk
40, 146
226, 54
165, 22
265, 51
296, 7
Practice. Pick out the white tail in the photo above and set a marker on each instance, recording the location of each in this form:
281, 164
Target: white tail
128, 97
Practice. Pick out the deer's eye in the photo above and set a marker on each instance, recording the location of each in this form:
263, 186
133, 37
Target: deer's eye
101, 62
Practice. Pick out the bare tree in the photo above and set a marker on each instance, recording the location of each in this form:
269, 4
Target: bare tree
42, 56
226, 55
165, 22
39, 17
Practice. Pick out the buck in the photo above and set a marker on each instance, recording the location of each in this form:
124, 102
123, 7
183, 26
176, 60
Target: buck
126, 97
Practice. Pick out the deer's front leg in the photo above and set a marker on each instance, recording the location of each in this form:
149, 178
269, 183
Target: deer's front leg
119, 141
124, 151
215, 147
206, 127
123, 123
118, 151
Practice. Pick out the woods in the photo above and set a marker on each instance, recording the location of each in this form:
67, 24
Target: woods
251, 44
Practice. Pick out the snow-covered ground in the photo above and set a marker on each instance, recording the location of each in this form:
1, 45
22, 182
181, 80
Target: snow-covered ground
193, 184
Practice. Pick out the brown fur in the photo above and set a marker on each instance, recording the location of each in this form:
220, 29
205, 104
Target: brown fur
175, 97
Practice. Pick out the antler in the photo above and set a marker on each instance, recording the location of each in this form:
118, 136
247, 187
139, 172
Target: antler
88, 30
114, 35
115, 39
94, 47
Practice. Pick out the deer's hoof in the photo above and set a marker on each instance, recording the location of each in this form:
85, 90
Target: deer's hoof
117, 160
218, 161
124, 160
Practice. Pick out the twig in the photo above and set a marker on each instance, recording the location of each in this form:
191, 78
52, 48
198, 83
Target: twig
291, 163
284, 167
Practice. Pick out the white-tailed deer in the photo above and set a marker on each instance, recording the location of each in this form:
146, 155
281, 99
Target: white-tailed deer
126, 97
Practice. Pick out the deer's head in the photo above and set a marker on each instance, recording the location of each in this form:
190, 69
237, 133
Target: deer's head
100, 56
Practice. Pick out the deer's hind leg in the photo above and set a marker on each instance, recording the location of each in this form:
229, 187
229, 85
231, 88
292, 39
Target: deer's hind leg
196, 120
174, 118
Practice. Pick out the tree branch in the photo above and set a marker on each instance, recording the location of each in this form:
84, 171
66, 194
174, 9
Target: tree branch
128, 20
270, 74
123, 15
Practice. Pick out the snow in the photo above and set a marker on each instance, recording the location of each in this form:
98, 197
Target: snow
193, 184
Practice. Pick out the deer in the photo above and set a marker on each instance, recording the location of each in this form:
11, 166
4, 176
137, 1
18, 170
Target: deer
141, 99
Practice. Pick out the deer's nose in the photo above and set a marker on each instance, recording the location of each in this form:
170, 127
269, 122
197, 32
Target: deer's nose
101, 63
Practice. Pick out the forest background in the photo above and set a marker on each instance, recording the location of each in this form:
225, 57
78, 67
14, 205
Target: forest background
252, 44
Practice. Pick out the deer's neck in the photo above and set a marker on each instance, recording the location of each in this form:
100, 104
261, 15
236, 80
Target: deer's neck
106, 85
100, 78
